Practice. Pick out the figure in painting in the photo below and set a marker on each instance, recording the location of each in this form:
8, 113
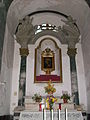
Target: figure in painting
48, 62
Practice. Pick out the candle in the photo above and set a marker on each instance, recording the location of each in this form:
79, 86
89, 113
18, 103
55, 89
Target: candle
52, 114
59, 114
44, 114
60, 106
66, 118
40, 107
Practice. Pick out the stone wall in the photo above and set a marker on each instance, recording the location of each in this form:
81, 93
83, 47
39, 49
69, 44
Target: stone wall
2, 29
6, 59
86, 57
3, 13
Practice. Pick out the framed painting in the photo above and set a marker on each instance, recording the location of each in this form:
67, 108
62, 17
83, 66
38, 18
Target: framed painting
47, 61
48, 65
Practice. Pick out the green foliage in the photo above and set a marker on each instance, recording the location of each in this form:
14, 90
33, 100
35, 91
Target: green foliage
65, 96
37, 98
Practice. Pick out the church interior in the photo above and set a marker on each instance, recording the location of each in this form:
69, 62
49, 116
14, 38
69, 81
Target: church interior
44, 59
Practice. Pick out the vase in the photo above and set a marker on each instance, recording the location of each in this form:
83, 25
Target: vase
51, 106
65, 100
47, 106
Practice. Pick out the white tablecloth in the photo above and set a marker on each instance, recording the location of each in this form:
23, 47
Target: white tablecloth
29, 115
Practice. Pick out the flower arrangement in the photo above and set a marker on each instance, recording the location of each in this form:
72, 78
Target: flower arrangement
37, 98
50, 88
65, 96
50, 100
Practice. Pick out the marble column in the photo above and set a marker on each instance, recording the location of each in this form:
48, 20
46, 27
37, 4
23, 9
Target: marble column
22, 78
74, 83
24, 34
70, 33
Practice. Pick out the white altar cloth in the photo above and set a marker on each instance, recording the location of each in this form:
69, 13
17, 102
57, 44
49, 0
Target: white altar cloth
29, 115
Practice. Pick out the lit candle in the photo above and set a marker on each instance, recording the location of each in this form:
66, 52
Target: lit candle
52, 114
59, 114
44, 114
66, 118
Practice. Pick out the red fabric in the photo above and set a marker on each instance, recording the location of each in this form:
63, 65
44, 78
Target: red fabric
48, 77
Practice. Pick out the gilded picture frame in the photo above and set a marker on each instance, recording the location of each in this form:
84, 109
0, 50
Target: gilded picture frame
42, 71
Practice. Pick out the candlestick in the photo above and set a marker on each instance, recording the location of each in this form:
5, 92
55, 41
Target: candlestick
66, 117
52, 114
44, 114
59, 114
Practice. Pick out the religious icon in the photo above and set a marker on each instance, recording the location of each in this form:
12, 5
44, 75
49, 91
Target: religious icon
48, 62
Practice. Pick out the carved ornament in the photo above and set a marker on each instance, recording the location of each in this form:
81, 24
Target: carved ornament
72, 52
70, 32
24, 51
25, 31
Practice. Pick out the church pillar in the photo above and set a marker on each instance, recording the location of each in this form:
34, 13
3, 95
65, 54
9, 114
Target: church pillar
70, 33
25, 32
74, 83
22, 78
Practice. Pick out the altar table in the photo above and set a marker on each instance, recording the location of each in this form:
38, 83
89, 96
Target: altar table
29, 115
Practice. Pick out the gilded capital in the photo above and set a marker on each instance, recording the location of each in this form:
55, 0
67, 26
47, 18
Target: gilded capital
24, 51
72, 52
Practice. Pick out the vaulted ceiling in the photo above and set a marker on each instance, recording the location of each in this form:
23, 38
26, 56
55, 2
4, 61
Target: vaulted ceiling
78, 9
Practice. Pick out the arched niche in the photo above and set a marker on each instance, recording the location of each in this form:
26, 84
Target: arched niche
54, 72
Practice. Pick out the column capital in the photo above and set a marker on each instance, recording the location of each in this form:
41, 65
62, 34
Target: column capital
72, 52
24, 51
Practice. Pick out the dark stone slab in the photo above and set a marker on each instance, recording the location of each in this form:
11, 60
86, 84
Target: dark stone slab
6, 117
88, 2
88, 116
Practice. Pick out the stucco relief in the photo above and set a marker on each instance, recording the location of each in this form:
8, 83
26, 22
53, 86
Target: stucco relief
25, 31
70, 32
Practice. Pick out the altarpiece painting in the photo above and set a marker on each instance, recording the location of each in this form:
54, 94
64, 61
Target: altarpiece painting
48, 62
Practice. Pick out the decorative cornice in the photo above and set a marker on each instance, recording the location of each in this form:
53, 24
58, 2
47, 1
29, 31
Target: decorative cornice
24, 51
72, 52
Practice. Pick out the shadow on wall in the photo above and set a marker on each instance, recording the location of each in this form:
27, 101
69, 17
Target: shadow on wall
88, 2
88, 116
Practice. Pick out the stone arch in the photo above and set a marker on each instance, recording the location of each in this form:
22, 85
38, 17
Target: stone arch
18, 10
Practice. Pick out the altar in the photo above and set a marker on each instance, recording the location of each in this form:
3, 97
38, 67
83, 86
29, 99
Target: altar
38, 115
